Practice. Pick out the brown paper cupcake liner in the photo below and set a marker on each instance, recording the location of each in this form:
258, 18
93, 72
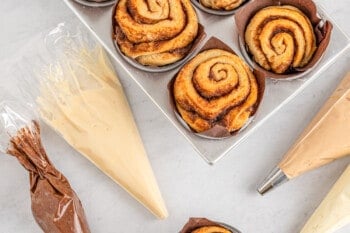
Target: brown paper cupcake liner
195, 223
322, 29
217, 12
115, 29
218, 131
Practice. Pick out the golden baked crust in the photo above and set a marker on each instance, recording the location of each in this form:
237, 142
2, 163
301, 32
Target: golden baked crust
155, 33
211, 229
222, 4
280, 38
216, 88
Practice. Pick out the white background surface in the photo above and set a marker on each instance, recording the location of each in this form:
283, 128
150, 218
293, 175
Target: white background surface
223, 192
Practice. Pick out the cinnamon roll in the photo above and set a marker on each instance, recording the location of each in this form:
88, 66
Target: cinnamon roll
155, 32
280, 38
226, 5
211, 229
216, 88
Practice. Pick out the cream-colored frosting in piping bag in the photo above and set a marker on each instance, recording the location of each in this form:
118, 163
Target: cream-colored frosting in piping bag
325, 139
334, 211
83, 100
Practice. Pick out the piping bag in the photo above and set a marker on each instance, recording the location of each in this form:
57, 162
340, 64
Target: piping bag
324, 140
55, 206
334, 211
81, 98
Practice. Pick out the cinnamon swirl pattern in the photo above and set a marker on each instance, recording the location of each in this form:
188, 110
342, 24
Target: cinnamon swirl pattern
216, 88
226, 5
211, 229
280, 38
155, 32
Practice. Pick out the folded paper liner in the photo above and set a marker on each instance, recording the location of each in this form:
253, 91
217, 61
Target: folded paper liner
308, 7
218, 132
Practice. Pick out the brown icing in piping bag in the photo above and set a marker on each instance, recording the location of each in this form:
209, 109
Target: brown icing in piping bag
55, 206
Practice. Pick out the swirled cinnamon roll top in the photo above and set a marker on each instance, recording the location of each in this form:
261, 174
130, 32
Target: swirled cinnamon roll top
281, 38
216, 88
222, 4
211, 229
155, 32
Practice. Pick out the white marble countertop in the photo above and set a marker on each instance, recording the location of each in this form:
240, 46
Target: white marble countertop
189, 186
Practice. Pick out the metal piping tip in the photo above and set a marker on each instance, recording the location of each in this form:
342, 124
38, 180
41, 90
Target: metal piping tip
275, 178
